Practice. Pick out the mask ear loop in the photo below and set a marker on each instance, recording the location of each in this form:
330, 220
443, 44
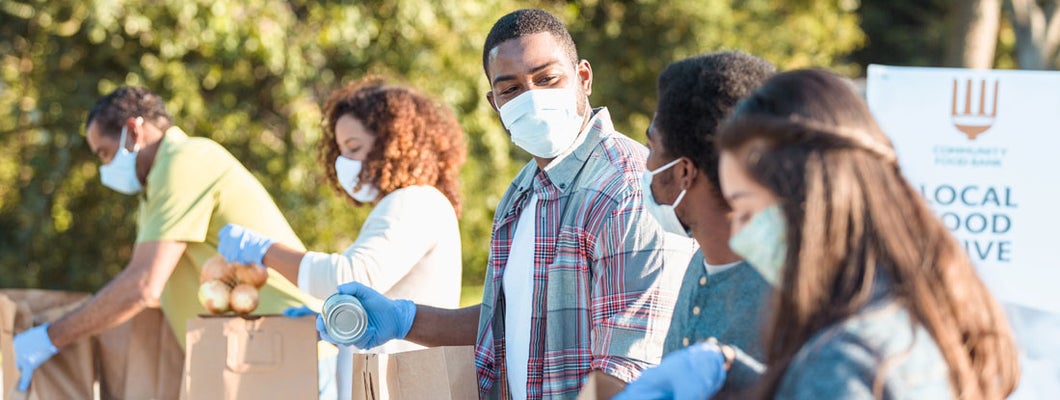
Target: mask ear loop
679, 198
124, 132
665, 167
588, 110
139, 123
683, 190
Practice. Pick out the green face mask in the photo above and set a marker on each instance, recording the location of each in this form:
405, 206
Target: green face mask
763, 243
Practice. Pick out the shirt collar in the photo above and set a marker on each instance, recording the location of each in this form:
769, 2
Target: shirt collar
172, 137
560, 172
717, 269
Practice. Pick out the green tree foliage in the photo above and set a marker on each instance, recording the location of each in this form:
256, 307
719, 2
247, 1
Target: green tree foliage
630, 42
252, 75
923, 33
905, 32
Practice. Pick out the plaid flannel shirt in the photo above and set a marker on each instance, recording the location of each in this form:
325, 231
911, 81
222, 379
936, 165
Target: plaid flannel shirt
600, 297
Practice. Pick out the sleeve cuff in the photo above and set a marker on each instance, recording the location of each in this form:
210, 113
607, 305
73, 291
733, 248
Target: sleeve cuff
311, 281
626, 369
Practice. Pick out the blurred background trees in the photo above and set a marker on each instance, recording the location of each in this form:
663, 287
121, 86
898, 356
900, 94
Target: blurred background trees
252, 75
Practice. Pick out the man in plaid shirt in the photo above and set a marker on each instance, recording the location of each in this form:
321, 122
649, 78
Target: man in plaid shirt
580, 276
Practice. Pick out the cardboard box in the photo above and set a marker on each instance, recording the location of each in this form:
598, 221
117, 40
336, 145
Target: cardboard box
70, 374
600, 386
253, 358
139, 359
437, 373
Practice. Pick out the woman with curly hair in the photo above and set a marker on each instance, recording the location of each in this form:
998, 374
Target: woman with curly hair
873, 297
393, 148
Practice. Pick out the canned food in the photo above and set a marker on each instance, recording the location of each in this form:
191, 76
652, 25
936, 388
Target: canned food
345, 319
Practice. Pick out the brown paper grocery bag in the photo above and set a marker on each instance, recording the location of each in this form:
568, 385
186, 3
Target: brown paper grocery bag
253, 358
140, 359
436, 373
600, 386
70, 374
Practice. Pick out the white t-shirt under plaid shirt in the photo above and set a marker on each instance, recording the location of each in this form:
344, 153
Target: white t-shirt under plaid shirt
518, 289
599, 299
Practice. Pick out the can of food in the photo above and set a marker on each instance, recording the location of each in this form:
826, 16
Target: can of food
345, 319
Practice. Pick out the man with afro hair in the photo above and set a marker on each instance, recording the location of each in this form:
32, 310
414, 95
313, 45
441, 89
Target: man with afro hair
722, 297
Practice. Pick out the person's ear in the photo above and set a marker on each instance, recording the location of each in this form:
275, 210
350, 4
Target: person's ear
585, 73
493, 104
686, 172
134, 132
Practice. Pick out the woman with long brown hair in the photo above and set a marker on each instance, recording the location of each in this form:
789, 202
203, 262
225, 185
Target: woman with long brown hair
874, 297
397, 150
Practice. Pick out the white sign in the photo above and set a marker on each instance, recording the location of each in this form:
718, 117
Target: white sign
983, 147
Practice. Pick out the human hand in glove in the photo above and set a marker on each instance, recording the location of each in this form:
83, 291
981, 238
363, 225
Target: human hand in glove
387, 319
695, 372
239, 244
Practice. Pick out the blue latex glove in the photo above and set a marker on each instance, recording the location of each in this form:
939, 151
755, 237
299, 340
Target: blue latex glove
295, 312
239, 244
387, 319
32, 348
695, 372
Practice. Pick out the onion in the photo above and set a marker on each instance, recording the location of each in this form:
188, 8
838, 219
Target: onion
244, 298
217, 269
254, 274
213, 295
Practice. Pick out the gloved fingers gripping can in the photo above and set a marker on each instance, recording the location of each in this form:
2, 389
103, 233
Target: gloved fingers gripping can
344, 318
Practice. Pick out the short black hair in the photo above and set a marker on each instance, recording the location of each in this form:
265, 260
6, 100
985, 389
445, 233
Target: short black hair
527, 21
111, 111
696, 94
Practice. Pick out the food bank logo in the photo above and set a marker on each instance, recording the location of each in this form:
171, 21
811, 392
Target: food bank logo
971, 117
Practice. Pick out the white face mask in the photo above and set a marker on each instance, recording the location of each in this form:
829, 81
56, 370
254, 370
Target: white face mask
763, 243
347, 171
120, 173
544, 122
664, 213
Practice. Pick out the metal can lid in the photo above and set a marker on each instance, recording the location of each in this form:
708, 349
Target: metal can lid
344, 318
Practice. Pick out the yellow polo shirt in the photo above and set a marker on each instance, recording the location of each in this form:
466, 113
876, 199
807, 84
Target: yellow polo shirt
194, 189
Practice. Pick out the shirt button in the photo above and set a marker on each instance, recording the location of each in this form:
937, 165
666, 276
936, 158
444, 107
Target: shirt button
702, 281
685, 342
695, 310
